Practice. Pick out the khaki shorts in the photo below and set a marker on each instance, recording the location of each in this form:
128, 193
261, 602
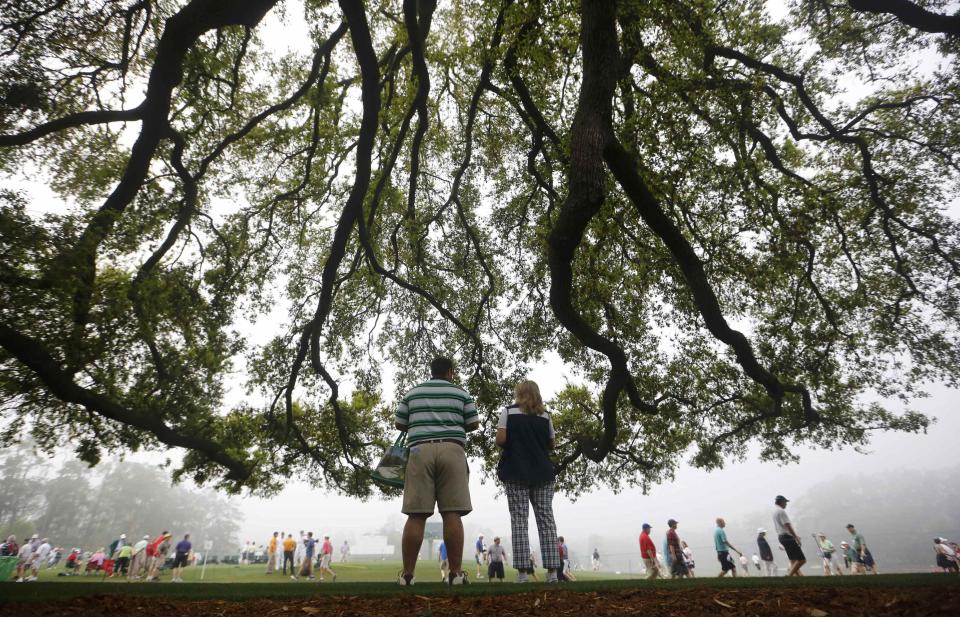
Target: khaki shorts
436, 474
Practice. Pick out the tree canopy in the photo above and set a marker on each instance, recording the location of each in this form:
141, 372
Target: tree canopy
730, 219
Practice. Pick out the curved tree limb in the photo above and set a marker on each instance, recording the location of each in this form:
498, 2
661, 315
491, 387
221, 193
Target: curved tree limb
587, 176
32, 354
911, 14
83, 118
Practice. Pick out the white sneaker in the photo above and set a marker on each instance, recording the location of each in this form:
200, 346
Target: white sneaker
458, 579
405, 580
20, 580
552, 578
522, 577
31, 579
293, 577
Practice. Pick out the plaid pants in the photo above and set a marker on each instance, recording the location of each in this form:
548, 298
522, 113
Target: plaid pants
519, 495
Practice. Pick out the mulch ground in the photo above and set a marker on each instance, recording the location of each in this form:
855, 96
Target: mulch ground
793, 602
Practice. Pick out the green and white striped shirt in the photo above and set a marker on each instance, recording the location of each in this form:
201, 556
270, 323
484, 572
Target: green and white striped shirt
436, 409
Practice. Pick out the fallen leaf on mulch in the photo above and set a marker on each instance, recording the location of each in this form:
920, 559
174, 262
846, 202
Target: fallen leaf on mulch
816, 612
723, 604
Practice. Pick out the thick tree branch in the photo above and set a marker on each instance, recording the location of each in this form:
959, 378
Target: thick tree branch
83, 118
911, 14
34, 356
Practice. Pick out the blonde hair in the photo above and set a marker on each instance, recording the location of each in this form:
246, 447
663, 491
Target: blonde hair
527, 396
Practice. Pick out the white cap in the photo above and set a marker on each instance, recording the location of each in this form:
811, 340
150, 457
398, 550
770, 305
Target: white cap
34, 537
146, 536
123, 536
761, 530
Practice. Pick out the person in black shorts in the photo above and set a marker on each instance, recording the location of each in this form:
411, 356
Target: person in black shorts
497, 555
788, 537
181, 558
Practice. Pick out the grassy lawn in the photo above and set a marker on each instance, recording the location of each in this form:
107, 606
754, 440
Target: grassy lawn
376, 579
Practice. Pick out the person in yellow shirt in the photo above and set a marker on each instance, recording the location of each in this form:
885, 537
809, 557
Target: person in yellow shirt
289, 546
272, 553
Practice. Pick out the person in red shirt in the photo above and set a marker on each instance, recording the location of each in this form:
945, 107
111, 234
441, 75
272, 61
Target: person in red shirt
157, 554
326, 558
648, 552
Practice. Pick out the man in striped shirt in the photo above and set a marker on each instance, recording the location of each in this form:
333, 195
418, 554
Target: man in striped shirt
437, 415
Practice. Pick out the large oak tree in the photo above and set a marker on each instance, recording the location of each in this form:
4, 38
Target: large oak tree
733, 227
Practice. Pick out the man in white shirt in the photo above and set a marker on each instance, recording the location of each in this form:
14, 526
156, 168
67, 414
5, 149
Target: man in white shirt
788, 536
39, 558
25, 556
946, 555
301, 550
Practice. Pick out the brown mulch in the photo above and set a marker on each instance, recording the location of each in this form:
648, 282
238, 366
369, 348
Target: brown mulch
798, 602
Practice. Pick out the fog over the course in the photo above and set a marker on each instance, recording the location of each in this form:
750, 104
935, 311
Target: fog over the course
740, 492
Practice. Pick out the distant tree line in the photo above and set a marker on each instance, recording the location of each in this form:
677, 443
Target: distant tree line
76, 506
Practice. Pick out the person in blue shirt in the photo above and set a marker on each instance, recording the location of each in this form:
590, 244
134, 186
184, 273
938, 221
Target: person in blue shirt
723, 549
181, 558
444, 562
310, 548
480, 555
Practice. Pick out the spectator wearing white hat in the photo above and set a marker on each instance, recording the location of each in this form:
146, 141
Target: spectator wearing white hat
766, 553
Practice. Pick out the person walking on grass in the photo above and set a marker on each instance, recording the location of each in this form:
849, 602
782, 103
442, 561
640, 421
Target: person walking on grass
326, 559
864, 558
272, 547
496, 554
724, 547
157, 554
122, 565
306, 564
533, 566
946, 555
301, 547
181, 558
444, 562
648, 553
526, 437
766, 553
565, 572
678, 566
479, 554
437, 415
787, 536
138, 559
25, 557
827, 550
344, 551
688, 559
289, 551
849, 557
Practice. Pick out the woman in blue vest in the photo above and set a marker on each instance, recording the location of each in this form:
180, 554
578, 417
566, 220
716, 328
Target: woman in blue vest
525, 432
